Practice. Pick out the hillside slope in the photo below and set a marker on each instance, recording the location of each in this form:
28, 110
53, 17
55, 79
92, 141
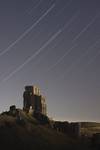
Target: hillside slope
29, 134
90, 128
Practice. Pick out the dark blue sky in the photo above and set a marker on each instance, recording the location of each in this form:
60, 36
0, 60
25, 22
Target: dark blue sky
54, 44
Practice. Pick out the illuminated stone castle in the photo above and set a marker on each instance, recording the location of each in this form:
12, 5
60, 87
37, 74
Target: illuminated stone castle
33, 100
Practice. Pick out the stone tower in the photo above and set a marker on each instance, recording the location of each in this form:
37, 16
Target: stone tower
32, 99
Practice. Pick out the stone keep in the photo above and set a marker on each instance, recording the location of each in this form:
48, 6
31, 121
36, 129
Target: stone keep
33, 99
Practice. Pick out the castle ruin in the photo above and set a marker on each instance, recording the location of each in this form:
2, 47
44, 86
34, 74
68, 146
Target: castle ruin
33, 101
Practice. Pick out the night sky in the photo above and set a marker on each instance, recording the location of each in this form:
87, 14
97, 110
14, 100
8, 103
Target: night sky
55, 45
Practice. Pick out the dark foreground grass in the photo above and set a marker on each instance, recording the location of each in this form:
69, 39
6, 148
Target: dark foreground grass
30, 135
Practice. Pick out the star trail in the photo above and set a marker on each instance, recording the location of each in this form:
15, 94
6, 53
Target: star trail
26, 32
53, 44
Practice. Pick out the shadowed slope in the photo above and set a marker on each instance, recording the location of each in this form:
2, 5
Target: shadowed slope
29, 134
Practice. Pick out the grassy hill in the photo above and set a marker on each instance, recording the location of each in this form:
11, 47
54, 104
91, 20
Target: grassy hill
30, 134
89, 128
